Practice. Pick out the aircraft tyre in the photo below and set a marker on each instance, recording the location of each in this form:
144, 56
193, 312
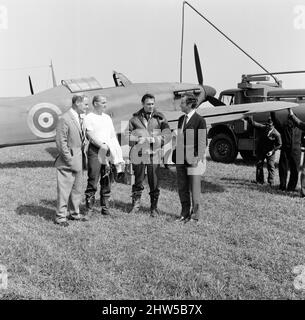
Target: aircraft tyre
223, 148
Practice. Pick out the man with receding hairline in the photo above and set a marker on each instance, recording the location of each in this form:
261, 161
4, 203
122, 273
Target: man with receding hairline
70, 142
102, 141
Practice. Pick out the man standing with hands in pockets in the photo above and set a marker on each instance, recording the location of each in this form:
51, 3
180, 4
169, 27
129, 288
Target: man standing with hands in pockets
70, 142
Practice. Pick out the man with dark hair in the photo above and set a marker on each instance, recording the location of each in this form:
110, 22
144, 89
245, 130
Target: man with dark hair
290, 152
70, 142
268, 142
301, 125
148, 131
189, 157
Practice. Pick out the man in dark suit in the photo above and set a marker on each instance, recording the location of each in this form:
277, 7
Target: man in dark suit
301, 125
70, 142
189, 157
290, 152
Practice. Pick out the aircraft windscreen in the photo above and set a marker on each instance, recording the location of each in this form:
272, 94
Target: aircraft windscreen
82, 84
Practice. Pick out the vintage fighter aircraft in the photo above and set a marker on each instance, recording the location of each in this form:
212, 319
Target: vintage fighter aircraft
33, 119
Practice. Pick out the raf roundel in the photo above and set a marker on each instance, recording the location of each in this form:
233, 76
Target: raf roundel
43, 118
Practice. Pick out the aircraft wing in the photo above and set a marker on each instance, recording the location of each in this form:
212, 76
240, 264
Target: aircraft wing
213, 115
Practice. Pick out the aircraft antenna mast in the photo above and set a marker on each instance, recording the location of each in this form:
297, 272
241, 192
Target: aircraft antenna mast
53, 75
236, 45
182, 36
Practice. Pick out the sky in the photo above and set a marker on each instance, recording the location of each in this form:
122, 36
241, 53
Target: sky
142, 39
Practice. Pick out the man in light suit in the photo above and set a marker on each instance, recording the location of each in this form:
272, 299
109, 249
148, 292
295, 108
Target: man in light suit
189, 157
70, 142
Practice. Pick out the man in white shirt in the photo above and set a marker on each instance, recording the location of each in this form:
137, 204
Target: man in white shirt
102, 143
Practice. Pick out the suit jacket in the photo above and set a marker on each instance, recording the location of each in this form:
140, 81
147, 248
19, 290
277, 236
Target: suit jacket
70, 144
191, 141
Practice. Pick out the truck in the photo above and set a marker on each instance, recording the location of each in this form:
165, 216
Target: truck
229, 139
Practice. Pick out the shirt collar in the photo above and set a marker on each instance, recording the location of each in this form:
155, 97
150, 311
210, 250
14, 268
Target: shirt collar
190, 114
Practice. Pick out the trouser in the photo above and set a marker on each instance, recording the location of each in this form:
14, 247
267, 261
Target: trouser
96, 173
289, 159
303, 177
69, 193
152, 176
189, 188
270, 167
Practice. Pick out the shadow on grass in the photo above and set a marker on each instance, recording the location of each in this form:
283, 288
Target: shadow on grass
144, 209
242, 183
52, 151
36, 211
250, 163
27, 164
122, 206
168, 180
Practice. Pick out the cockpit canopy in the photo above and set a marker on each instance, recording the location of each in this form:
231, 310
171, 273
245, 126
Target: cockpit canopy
82, 84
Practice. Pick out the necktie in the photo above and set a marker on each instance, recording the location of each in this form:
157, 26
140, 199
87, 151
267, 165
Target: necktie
81, 128
184, 122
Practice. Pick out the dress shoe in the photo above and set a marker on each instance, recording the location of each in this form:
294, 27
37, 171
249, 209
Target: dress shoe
181, 219
78, 218
62, 223
154, 212
191, 220
105, 212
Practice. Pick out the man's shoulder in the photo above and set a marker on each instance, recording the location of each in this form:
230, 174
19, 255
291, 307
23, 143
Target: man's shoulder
160, 115
137, 113
199, 119
107, 117
181, 117
66, 116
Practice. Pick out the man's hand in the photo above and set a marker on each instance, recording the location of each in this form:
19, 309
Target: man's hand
146, 139
290, 112
142, 140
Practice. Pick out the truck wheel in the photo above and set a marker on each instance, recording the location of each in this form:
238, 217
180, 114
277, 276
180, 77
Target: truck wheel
247, 155
222, 148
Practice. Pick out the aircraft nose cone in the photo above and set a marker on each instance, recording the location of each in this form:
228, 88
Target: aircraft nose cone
209, 91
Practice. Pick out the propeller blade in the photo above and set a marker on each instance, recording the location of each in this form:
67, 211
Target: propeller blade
31, 86
198, 66
215, 102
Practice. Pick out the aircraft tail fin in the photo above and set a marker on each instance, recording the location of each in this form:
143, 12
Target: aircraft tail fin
120, 80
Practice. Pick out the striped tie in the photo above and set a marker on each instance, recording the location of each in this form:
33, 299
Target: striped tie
81, 123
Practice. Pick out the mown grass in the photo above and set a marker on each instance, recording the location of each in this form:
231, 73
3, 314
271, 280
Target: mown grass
245, 246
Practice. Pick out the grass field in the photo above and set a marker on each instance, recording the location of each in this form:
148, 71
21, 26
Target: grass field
245, 246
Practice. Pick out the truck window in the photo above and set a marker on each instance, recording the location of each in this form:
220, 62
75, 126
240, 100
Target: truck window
227, 99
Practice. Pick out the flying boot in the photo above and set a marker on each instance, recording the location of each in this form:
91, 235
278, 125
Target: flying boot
136, 202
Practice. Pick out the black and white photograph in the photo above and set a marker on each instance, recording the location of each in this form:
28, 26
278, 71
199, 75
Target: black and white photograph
152, 150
